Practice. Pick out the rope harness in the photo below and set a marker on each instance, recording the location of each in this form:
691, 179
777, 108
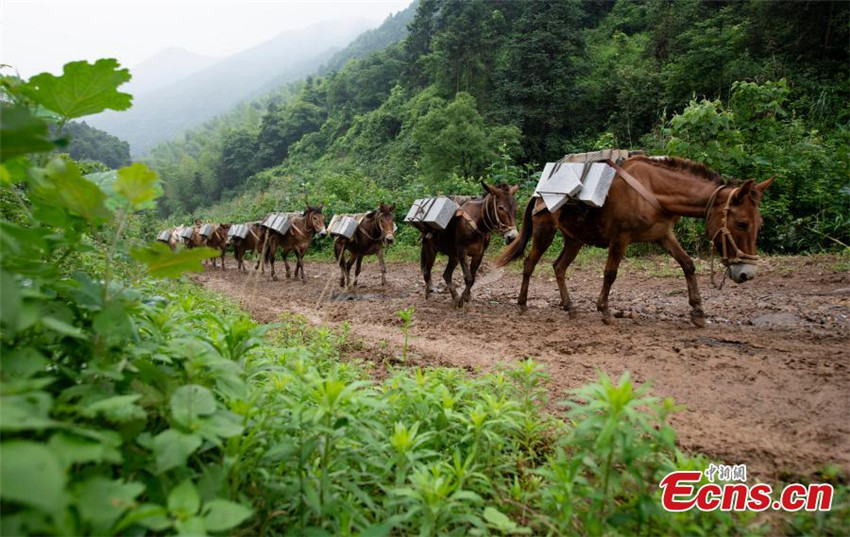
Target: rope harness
381, 234
492, 223
740, 255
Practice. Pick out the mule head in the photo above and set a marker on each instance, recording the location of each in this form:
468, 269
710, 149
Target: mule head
316, 220
500, 208
385, 216
733, 224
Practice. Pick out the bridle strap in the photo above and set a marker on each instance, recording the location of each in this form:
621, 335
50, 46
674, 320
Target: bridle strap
727, 238
377, 225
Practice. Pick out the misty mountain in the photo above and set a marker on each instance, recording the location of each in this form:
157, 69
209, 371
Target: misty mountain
164, 68
165, 112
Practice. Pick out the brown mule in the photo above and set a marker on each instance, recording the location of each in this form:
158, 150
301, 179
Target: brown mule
374, 232
672, 188
196, 240
218, 241
469, 236
253, 242
297, 239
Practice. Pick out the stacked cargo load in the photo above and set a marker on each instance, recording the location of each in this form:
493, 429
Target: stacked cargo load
431, 214
239, 231
585, 177
280, 222
345, 225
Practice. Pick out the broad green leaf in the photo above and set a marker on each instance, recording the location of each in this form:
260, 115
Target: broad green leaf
22, 362
118, 409
10, 301
172, 448
72, 449
191, 401
113, 325
502, 522
82, 89
21, 133
26, 412
138, 184
223, 423
193, 526
149, 515
32, 475
61, 327
183, 500
163, 263
65, 187
221, 515
102, 501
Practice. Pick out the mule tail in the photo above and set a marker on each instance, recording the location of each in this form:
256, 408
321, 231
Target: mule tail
516, 249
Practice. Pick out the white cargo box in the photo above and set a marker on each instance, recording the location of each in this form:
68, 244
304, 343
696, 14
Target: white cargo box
559, 182
164, 236
187, 233
239, 231
206, 231
596, 183
279, 222
431, 214
344, 225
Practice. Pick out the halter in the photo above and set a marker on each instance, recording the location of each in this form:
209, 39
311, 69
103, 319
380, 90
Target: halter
377, 223
740, 256
488, 220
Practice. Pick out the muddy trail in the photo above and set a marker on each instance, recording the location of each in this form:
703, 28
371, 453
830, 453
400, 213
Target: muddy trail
766, 383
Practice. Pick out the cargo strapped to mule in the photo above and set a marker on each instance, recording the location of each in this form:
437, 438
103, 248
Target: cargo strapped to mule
187, 233
206, 230
280, 222
431, 214
345, 225
239, 231
164, 236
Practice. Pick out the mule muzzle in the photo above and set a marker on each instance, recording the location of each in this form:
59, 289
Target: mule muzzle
742, 272
388, 239
510, 236
323, 232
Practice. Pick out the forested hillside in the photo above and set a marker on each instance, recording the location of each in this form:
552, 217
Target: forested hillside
749, 88
167, 111
88, 143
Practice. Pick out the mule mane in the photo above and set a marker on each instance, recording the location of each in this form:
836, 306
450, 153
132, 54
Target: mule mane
683, 165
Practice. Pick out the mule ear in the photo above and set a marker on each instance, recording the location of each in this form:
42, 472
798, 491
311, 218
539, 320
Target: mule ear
513, 190
488, 188
761, 187
743, 190
392, 208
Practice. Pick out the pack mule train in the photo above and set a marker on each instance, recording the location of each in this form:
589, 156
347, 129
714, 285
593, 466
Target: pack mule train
374, 231
667, 188
467, 236
296, 240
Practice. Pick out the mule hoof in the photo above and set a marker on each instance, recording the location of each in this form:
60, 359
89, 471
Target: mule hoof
274, 278
607, 319
522, 308
698, 319
572, 314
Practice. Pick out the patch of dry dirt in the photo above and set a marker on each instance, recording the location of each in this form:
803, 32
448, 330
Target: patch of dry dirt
766, 383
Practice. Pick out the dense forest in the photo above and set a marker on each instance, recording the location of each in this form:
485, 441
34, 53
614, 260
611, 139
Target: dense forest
749, 88
88, 143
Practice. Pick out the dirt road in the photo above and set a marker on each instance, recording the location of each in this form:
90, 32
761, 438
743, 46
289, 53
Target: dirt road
766, 383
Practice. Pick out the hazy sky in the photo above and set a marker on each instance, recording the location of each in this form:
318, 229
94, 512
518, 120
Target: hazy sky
38, 36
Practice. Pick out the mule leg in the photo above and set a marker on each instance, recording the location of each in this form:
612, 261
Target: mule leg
223, 252
284, 256
427, 256
383, 267
270, 260
540, 242
616, 250
671, 244
339, 252
568, 255
299, 256
470, 272
447, 277
357, 264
